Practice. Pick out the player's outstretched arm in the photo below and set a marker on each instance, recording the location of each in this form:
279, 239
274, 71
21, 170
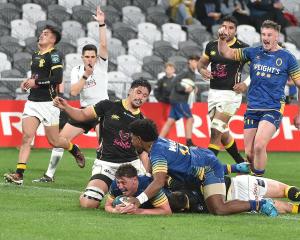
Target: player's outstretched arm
223, 48
77, 114
100, 18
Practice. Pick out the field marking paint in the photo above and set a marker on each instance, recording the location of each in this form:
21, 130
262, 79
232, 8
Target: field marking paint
43, 188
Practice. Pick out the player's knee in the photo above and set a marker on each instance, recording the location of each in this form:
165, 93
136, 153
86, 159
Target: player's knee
218, 125
219, 210
91, 198
259, 146
27, 138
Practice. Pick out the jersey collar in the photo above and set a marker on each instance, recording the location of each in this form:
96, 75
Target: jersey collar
48, 50
229, 44
125, 105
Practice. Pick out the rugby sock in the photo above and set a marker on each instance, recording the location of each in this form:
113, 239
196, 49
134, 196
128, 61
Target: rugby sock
189, 142
71, 147
258, 173
56, 155
231, 169
296, 208
21, 167
292, 193
214, 148
255, 205
231, 148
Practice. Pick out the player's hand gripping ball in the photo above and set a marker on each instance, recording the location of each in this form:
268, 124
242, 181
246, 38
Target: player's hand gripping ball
123, 200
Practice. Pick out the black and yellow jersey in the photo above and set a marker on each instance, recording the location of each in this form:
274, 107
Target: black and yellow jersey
115, 139
47, 70
226, 72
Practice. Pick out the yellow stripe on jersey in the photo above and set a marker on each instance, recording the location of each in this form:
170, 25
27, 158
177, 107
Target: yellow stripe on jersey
94, 111
282, 106
159, 166
238, 54
110, 197
199, 173
56, 66
159, 199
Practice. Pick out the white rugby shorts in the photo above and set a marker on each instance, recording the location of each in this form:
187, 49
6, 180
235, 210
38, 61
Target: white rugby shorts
246, 187
109, 169
224, 101
44, 111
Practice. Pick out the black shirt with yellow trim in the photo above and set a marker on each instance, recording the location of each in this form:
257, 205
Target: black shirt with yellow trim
47, 70
115, 139
226, 72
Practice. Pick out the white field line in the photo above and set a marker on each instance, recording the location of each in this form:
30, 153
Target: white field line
43, 188
289, 217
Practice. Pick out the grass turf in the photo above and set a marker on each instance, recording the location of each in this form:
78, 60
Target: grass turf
51, 210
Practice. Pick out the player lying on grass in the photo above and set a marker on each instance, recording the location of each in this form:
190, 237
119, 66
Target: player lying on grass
178, 161
127, 183
187, 197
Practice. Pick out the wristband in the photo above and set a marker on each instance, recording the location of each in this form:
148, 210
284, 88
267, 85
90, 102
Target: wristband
102, 25
84, 77
142, 198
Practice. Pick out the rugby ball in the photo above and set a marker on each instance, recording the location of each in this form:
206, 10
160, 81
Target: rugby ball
120, 200
186, 82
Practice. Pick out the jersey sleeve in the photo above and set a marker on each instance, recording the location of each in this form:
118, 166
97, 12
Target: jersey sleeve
158, 162
159, 199
102, 64
293, 68
243, 54
56, 60
206, 53
101, 107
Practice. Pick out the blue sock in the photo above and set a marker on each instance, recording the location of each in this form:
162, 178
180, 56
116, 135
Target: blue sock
258, 173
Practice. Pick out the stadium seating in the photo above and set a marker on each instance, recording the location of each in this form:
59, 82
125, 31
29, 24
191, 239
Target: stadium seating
58, 14
17, 3
10, 45
144, 5
22, 61
31, 44
133, 16
157, 16
92, 4
44, 3
40, 25
248, 34
119, 4
128, 64
69, 4
148, 32
189, 48
112, 15
139, 48
65, 47
153, 65
4, 28
198, 34
81, 42
179, 62
115, 49
17, 30
163, 49
93, 30
123, 32
8, 12
72, 30
172, 33
119, 83
82, 14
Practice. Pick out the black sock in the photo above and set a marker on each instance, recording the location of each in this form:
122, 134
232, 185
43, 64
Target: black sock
293, 193
215, 151
234, 153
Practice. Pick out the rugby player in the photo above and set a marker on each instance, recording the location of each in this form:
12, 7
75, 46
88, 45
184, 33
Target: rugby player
46, 75
90, 81
271, 67
223, 101
180, 162
128, 183
115, 140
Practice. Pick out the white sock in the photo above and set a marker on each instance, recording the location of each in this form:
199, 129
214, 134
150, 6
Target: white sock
56, 155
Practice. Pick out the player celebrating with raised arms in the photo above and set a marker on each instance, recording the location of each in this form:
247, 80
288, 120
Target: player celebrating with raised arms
271, 67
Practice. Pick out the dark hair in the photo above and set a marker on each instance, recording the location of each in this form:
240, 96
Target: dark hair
145, 129
194, 57
271, 24
126, 170
54, 31
177, 201
231, 19
141, 83
89, 47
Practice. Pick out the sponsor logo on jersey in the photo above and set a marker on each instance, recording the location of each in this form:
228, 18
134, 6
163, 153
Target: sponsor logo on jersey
55, 58
115, 117
41, 63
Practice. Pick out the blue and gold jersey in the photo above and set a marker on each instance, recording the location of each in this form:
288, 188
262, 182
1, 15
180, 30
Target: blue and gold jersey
179, 161
144, 181
269, 72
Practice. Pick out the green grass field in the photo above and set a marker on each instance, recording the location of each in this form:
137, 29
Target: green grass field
51, 211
